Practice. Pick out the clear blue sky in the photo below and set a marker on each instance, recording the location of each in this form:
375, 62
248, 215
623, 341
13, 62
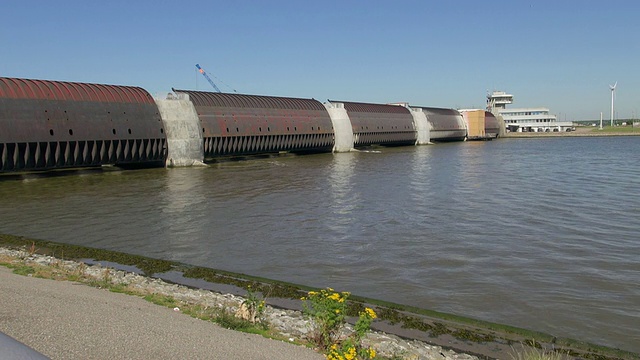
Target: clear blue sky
561, 54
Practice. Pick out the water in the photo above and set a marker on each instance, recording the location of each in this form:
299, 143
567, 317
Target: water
535, 233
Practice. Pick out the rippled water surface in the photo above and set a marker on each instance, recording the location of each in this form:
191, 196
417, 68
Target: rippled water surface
537, 233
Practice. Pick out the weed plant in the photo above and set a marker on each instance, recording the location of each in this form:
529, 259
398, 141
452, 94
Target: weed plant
326, 308
535, 353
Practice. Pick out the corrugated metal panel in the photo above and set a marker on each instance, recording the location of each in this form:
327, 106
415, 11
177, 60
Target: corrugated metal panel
52, 124
438, 111
446, 124
379, 124
238, 124
444, 119
14, 88
373, 108
201, 98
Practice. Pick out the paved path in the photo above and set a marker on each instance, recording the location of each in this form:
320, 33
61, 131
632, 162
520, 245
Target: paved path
65, 320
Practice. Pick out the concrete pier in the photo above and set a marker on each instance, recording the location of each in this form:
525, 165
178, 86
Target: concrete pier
422, 126
342, 128
182, 126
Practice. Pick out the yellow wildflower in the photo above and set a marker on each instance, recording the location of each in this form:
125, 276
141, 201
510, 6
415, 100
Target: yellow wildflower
351, 354
372, 353
370, 313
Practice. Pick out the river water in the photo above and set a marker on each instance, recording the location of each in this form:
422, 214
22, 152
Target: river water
536, 233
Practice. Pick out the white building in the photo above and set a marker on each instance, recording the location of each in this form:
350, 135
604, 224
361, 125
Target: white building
524, 119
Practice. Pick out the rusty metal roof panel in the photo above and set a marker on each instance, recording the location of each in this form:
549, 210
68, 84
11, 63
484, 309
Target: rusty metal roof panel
438, 111
445, 124
15, 88
54, 124
238, 124
380, 124
372, 108
444, 119
202, 98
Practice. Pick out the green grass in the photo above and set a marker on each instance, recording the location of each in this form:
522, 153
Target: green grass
616, 129
162, 300
23, 270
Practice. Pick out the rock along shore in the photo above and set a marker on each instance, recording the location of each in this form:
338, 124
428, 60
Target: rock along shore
290, 325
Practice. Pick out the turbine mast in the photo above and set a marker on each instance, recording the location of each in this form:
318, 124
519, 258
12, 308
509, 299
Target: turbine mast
613, 91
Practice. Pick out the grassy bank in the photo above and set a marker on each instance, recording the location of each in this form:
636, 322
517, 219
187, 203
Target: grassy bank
486, 339
582, 131
628, 129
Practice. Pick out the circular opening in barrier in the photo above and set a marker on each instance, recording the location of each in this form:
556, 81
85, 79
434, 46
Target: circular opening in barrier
161, 131
113, 131
70, 132
129, 131
51, 132
202, 129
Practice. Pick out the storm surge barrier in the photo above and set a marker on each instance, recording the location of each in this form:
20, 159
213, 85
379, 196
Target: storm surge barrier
49, 125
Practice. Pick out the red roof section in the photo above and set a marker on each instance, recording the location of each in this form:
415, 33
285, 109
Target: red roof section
15, 88
213, 99
372, 108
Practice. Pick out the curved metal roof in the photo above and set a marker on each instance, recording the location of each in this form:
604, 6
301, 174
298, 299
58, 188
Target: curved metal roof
203, 98
16, 88
438, 111
372, 108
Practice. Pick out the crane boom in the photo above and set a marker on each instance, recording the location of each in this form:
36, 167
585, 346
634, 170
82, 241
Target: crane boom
201, 70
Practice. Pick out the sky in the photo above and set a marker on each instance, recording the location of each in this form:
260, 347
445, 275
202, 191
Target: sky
560, 54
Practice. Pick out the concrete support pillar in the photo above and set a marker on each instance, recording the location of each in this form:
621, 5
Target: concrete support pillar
503, 127
342, 129
421, 125
185, 144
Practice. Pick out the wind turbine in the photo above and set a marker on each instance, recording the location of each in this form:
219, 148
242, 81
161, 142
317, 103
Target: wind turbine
613, 91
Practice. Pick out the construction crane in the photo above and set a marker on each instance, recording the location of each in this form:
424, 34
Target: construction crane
201, 70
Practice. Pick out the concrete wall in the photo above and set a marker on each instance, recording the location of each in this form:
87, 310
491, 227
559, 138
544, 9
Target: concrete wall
342, 129
182, 127
422, 126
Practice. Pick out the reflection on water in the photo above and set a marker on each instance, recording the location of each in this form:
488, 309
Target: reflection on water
344, 197
537, 233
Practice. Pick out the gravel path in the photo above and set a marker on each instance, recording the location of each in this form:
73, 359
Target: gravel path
65, 320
